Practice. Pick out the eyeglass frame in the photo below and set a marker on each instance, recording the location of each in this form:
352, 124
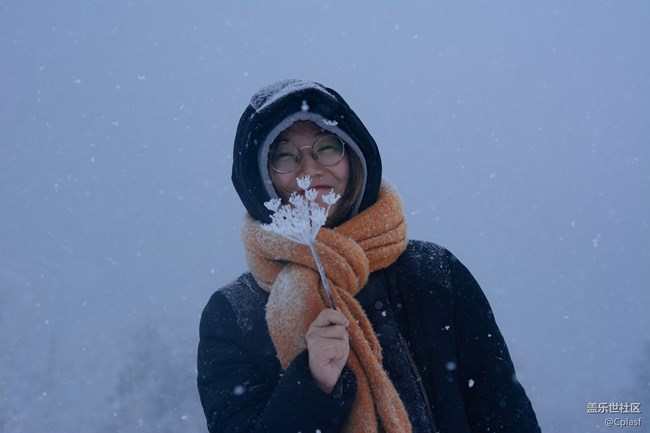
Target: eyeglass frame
312, 152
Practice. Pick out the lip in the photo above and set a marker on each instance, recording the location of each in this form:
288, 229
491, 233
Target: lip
321, 189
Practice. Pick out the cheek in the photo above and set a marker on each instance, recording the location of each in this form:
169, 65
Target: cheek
346, 172
342, 173
282, 183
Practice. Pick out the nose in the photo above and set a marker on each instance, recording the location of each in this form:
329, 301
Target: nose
307, 164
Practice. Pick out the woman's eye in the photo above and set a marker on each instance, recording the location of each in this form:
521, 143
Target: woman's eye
283, 151
328, 145
283, 155
327, 149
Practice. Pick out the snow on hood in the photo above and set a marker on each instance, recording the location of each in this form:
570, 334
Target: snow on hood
274, 92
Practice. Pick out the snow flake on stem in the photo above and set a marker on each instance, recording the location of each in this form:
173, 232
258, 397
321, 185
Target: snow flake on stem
304, 182
273, 205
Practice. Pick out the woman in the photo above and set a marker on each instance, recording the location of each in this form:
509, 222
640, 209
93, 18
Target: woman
412, 344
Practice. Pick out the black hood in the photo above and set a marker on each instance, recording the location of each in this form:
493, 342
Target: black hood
276, 107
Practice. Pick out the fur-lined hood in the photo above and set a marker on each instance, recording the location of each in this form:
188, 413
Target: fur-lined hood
276, 107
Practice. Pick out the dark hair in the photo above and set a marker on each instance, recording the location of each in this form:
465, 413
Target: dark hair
352, 191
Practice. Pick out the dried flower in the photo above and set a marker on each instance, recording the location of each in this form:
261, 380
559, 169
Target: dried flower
301, 219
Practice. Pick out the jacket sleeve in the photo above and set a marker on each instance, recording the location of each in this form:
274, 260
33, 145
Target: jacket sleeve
494, 399
242, 393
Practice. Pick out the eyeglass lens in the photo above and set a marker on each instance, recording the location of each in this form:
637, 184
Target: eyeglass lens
328, 150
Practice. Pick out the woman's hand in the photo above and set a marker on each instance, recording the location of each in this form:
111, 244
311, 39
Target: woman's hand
328, 347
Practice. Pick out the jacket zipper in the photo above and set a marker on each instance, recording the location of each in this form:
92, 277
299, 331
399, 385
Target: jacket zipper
418, 379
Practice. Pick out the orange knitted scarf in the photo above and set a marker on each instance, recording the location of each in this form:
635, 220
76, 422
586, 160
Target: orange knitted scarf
371, 240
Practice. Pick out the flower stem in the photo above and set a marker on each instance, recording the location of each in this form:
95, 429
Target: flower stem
322, 274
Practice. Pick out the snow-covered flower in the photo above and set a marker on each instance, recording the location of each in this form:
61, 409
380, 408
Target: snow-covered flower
304, 182
273, 205
301, 219
331, 198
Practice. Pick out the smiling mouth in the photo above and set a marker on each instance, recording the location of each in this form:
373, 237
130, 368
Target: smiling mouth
322, 189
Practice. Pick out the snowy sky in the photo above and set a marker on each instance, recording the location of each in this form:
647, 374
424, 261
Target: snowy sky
516, 133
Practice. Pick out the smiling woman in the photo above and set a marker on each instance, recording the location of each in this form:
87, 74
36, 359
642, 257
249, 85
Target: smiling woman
412, 345
325, 163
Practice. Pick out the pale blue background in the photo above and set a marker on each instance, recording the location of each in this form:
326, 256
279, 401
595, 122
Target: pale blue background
518, 134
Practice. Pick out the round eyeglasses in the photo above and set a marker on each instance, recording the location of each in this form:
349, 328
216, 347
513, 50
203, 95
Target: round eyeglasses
327, 150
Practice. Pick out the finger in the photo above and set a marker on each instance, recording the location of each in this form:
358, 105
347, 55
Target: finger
323, 352
328, 353
329, 317
317, 345
338, 332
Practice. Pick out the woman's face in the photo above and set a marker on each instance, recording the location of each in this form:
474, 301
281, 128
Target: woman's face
303, 134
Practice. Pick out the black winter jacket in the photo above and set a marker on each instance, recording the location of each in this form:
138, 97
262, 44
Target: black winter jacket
435, 308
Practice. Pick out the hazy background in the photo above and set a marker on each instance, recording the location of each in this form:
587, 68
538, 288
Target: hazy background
518, 135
